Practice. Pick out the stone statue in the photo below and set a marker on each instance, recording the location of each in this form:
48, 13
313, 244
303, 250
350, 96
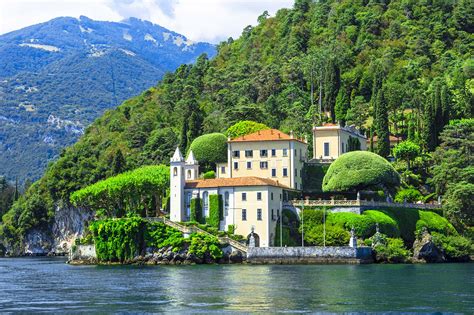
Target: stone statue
353, 240
252, 238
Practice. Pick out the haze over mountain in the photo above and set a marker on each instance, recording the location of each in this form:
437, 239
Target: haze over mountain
57, 77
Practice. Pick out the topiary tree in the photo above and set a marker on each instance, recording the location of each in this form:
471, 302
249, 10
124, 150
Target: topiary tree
360, 170
244, 127
210, 149
407, 151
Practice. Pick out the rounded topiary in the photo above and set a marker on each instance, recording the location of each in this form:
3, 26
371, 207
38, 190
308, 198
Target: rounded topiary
245, 127
210, 148
360, 170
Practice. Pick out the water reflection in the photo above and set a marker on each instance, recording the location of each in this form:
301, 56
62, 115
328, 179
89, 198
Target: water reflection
31, 285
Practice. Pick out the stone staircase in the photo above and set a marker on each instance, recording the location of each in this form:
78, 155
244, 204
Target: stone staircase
194, 229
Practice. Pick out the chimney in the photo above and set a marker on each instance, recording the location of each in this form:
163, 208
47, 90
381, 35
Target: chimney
291, 134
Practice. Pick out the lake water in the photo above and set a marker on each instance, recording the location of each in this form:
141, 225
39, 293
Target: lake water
50, 285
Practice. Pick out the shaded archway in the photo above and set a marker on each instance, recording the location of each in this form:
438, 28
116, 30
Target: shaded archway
256, 238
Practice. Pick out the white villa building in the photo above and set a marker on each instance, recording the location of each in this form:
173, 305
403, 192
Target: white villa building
262, 169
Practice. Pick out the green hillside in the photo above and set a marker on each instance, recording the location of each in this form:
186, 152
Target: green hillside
413, 55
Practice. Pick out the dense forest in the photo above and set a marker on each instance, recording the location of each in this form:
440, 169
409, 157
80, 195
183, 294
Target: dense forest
401, 67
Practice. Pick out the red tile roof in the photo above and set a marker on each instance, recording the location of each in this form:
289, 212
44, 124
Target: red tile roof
233, 182
266, 135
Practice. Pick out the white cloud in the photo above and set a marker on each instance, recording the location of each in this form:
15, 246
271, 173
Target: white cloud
199, 20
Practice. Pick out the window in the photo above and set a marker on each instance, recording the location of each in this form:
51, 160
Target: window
271, 195
285, 172
236, 154
248, 153
188, 204
244, 196
278, 213
263, 153
259, 214
274, 152
273, 216
263, 165
226, 203
296, 172
274, 172
326, 148
285, 152
259, 196
189, 174
280, 196
296, 152
222, 169
249, 165
342, 144
236, 165
205, 203
175, 171
244, 214
296, 185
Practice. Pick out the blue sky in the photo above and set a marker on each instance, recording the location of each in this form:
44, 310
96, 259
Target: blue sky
199, 20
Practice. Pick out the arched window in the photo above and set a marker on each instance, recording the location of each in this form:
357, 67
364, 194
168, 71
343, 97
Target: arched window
226, 203
175, 171
205, 203
189, 174
188, 204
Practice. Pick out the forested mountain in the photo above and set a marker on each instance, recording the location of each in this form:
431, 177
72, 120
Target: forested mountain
57, 77
401, 66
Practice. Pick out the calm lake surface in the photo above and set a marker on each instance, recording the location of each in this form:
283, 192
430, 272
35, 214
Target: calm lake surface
50, 285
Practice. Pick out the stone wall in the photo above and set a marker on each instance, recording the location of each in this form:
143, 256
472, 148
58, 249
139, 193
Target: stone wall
82, 254
309, 255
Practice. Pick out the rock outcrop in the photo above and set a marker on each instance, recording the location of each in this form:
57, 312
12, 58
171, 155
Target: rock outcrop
425, 250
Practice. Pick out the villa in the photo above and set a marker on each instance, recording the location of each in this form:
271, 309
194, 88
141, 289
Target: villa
263, 170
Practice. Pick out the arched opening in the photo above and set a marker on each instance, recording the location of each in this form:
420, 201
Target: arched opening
255, 237
189, 174
175, 171
226, 203
205, 204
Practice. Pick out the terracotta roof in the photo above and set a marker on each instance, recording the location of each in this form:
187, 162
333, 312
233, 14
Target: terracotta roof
233, 182
391, 139
266, 135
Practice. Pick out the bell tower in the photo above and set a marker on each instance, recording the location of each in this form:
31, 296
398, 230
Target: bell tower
177, 182
191, 167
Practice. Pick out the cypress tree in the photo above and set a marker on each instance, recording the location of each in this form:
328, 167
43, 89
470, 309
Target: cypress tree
342, 105
183, 137
429, 130
445, 104
118, 163
437, 113
381, 125
332, 82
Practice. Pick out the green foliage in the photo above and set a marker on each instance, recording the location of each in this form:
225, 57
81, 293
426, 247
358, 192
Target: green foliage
407, 151
7, 195
434, 223
313, 175
118, 240
243, 128
335, 236
160, 235
196, 210
394, 251
203, 244
408, 195
137, 191
381, 124
210, 149
215, 210
231, 229
455, 247
360, 170
209, 175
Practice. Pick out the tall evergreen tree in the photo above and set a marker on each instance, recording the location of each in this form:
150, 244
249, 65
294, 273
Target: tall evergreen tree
381, 125
183, 136
332, 82
429, 129
119, 164
342, 106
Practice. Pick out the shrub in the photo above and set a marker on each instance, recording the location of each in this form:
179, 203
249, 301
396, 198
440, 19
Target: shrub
160, 235
408, 195
387, 224
312, 217
196, 210
243, 128
360, 170
209, 175
210, 148
215, 210
407, 150
231, 229
335, 236
394, 251
456, 248
202, 244
364, 225
434, 223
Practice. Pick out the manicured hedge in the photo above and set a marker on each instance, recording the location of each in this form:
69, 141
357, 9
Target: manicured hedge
196, 210
215, 210
360, 170
210, 148
244, 127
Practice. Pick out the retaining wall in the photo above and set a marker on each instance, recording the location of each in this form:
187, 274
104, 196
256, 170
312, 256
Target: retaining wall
309, 255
